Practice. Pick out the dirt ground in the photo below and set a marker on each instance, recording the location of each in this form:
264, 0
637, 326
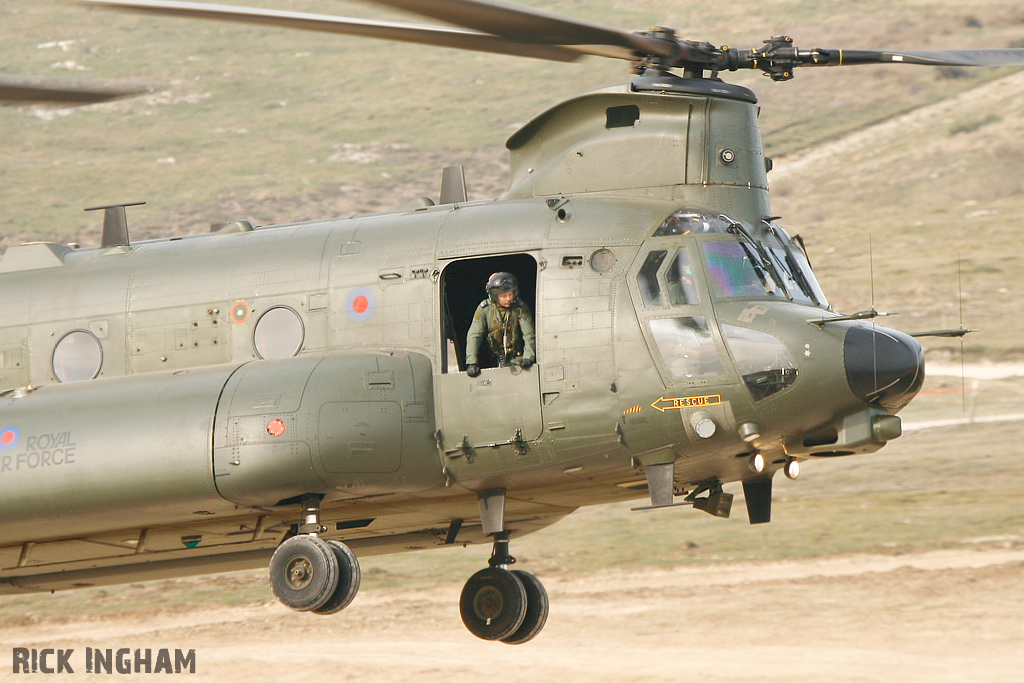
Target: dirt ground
939, 616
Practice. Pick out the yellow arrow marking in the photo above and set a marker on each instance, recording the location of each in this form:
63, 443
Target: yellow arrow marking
664, 404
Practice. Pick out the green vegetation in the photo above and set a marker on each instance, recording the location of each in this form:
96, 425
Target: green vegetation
970, 124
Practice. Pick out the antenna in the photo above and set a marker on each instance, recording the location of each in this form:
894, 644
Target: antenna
115, 224
960, 304
874, 327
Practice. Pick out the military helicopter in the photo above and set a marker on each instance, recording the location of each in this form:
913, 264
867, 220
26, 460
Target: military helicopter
293, 395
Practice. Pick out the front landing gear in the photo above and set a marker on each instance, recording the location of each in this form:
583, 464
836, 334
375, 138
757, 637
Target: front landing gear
493, 604
497, 603
310, 574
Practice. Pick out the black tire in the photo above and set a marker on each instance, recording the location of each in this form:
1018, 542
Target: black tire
536, 609
493, 603
304, 573
349, 576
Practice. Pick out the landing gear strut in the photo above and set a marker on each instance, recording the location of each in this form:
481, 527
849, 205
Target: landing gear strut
497, 603
310, 574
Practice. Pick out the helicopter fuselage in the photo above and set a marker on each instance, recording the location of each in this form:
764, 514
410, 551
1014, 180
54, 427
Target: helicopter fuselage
166, 405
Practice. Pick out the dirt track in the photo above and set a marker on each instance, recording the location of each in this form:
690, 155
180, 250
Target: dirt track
943, 616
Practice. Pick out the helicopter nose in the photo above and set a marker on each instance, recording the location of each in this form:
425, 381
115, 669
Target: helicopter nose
883, 367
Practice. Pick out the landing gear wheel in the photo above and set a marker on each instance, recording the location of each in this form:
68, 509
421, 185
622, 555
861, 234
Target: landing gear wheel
304, 573
349, 576
536, 609
493, 604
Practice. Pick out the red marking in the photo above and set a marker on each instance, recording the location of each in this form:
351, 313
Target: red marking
239, 312
275, 427
360, 304
7, 438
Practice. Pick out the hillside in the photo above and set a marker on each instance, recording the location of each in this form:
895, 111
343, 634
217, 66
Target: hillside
277, 127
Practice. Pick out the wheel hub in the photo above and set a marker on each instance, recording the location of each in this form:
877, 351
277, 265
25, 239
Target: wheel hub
300, 573
488, 603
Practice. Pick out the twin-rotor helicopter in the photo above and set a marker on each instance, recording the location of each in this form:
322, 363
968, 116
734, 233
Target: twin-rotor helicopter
294, 396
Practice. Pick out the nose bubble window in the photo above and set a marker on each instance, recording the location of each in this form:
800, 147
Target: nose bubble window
762, 359
77, 356
278, 334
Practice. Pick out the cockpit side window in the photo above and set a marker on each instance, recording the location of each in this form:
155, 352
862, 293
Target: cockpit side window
687, 347
682, 291
647, 279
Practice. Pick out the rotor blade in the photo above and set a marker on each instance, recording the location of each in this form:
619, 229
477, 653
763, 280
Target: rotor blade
442, 36
528, 25
1006, 57
16, 90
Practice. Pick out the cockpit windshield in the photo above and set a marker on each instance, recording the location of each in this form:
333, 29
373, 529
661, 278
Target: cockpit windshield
765, 262
735, 270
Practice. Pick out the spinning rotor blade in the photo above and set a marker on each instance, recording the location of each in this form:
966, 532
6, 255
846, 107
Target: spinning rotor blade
527, 32
15, 90
1006, 57
528, 25
443, 36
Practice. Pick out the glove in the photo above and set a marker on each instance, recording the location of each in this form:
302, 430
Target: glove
473, 370
526, 363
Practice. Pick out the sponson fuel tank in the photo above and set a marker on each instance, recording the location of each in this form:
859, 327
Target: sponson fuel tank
356, 424
252, 434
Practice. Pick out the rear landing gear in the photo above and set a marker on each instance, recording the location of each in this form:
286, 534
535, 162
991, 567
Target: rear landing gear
310, 574
304, 573
349, 577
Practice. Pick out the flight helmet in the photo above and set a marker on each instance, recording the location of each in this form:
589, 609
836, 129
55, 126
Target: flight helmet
502, 282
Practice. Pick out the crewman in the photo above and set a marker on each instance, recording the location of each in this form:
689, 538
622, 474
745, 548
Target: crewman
505, 320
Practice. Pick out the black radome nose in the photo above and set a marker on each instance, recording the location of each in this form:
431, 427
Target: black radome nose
883, 367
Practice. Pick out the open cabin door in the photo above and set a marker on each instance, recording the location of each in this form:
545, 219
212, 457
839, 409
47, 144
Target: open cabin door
501, 405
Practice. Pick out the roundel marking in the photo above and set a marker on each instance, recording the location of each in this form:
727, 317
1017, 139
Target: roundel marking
360, 304
275, 427
239, 312
9, 438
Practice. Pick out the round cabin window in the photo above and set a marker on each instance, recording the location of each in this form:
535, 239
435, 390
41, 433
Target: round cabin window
279, 333
77, 356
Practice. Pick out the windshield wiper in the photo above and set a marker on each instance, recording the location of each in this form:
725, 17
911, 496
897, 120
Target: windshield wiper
762, 254
799, 278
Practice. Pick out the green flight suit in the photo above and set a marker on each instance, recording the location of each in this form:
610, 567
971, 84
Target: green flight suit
509, 333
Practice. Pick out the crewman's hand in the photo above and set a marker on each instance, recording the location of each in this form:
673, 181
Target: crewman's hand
526, 363
473, 370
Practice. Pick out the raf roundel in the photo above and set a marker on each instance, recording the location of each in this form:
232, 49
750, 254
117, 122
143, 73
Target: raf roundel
239, 312
275, 427
360, 304
9, 438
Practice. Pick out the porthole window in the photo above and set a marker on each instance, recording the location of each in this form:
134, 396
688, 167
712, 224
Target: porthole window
279, 333
77, 356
